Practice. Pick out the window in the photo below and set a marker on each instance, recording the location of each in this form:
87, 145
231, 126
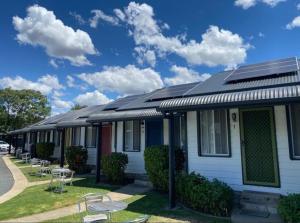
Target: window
180, 135
42, 136
56, 138
32, 137
90, 136
213, 138
295, 131
132, 132
76, 136
48, 136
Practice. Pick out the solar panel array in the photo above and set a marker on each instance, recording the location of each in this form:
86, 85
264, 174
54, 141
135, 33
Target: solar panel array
120, 102
172, 92
271, 68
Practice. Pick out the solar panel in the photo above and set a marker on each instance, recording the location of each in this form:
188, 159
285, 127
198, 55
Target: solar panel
120, 102
275, 67
172, 92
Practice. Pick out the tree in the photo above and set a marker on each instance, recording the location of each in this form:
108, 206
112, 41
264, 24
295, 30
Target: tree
20, 108
77, 107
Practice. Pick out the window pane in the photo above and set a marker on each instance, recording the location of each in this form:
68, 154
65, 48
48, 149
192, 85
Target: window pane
128, 135
295, 119
76, 136
136, 135
213, 132
91, 137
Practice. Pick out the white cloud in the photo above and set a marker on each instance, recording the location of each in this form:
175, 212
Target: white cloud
218, 46
260, 34
184, 76
92, 98
78, 18
298, 6
295, 23
53, 63
41, 28
70, 81
100, 15
144, 55
245, 4
45, 84
58, 103
124, 80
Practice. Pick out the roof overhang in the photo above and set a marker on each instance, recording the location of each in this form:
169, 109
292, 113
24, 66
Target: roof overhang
125, 115
43, 127
73, 123
279, 95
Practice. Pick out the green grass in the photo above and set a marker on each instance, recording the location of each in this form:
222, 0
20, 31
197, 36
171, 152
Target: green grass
37, 199
18, 162
31, 174
155, 205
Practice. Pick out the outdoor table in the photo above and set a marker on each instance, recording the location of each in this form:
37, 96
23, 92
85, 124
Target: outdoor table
62, 171
26, 157
107, 206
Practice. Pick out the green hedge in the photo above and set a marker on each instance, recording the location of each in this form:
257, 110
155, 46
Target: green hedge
211, 197
44, 150
113, 167
157, 165
76, 157
289, 208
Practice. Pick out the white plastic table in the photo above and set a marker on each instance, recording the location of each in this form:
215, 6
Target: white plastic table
107, 206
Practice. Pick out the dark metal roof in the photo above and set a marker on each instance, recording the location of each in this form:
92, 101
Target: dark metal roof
42, 127
73, 123
124, 115
251, 97
121, 102
216, 84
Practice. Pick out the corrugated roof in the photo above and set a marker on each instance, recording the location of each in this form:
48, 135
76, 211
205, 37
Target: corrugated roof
259, 96
121, 102
124, 115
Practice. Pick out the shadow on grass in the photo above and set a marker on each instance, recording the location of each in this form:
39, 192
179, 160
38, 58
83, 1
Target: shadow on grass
90, 182
154, 203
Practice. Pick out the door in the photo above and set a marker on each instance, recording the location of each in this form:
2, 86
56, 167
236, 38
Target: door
258, 144
154, 132
106, 139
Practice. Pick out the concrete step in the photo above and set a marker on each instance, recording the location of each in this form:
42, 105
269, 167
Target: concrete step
260, 197
240, 216
254, 206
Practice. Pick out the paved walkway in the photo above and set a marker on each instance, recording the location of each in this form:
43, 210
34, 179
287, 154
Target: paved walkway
6, 180
121, 194
20, 181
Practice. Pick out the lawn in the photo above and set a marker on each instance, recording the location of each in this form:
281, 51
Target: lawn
18, 162
155, 205
37, 199
30, 174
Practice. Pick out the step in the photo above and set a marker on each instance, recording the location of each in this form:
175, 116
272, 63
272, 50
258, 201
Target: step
240, 216
254, 206
260, 197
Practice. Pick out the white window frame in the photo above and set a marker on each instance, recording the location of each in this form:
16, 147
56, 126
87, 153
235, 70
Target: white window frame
127, 131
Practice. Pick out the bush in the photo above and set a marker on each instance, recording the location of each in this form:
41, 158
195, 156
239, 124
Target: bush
113, 167
76, 157
289, 208
198, 193
44, 150
157, 165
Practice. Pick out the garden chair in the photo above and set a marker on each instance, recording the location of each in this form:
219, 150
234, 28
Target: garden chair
44, 169
69, 178
89, 199
57, 179
35, 162
140, 219
26, 157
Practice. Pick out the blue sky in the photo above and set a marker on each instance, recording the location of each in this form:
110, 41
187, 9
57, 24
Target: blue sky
91, 52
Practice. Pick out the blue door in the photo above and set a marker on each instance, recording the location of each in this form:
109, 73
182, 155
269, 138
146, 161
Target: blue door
154, 132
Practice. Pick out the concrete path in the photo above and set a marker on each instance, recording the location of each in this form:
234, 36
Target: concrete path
6, 178
121, 194
19, 184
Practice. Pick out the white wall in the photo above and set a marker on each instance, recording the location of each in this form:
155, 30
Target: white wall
229, 169
136, 162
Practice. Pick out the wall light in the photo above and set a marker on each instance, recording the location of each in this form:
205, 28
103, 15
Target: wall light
233, 116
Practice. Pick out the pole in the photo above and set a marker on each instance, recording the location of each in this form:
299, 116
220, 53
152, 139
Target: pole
98, 157
62, 148
171, 162
10, 142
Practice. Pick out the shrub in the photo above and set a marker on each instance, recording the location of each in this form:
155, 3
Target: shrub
289, 208
76, 157
44, 150
157, 165
198, 193
113, 167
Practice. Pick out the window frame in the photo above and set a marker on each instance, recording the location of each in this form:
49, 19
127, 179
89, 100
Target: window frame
85, 137
290, 127
228, 136
132, 150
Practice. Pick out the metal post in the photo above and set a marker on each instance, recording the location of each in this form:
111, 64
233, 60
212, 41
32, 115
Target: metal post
98, 157
62, 148
171, 162
24, 142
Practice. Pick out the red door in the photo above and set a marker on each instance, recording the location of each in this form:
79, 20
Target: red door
106, 139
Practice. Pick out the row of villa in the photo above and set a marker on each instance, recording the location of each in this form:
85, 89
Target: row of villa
240, 126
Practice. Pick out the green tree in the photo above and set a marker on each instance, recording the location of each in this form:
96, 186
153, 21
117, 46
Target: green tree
77, 107
20, 108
